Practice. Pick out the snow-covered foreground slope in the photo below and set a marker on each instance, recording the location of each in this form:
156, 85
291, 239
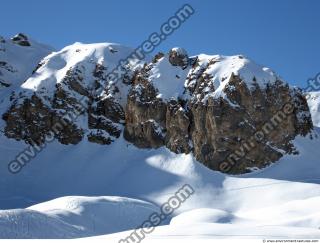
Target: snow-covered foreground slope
70, 217
280, 201
176, 233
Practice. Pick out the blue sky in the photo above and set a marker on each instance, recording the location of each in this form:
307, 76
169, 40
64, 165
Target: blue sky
281, 34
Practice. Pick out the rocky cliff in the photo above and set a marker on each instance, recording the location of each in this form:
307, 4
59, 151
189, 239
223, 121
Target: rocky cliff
231, 113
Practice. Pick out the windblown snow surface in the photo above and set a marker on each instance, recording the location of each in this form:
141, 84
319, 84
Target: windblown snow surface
314, 105
89, 190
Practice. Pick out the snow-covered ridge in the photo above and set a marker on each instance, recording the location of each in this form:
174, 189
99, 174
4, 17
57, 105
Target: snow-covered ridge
18, 61
55, 66
85, 57
171, 81
220, 68
168, 79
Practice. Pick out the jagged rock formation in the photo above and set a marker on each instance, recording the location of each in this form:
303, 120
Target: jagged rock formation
211, 106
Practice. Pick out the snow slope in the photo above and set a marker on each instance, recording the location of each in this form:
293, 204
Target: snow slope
171, 80
70, 217
168, 79
314, 105
282, 200
222, 67
17, 62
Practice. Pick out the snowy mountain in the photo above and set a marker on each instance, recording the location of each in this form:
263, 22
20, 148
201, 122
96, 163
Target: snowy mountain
134, 141
206, 105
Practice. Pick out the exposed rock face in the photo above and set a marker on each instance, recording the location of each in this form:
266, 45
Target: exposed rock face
33, 122
178, 57
248, 135
71, 101
177, 127
21, 40
145, 115
232, 114
245, 128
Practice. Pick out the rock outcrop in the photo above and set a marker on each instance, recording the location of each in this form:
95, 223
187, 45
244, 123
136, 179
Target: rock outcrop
230, 113
178, 57
236, 126
21, 40
32, 122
